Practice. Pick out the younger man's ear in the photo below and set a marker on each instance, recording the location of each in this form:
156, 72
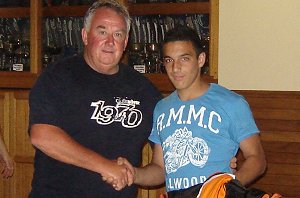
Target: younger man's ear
201, 59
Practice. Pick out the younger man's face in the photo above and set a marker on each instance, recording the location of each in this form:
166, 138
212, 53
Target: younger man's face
182, 64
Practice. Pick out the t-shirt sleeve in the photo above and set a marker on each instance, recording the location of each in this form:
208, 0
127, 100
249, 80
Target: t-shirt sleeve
44, 101
243, 123
154, 135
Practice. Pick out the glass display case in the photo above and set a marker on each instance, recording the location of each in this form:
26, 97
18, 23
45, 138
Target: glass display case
40, 19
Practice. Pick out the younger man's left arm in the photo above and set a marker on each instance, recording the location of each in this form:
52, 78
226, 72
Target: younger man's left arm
255, 162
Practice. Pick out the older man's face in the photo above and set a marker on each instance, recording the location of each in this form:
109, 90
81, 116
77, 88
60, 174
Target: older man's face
105, 41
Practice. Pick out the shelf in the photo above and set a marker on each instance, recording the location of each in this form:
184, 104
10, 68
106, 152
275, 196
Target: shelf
59, 11
22, 80
169, 8
135, 9
26, 79
164, 85
14, 12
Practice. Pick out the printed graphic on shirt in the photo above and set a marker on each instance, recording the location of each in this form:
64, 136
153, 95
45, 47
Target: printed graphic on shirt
189, 115
182, 148
184, 182
124, 112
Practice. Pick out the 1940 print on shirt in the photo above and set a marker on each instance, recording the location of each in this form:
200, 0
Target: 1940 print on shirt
124, 111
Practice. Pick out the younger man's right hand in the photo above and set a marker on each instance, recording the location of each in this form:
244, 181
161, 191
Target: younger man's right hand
130, 175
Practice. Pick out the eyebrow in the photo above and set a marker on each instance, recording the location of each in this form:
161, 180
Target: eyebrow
166, 57
100, 27
103, 27
186, 54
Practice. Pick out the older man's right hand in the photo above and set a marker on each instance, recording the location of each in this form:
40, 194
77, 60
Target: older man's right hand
119, 175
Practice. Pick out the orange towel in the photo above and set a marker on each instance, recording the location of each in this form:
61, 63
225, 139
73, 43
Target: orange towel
215, 186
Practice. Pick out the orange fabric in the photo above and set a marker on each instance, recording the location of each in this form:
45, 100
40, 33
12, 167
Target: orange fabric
266, 196
215, 186
273, 196
276, 196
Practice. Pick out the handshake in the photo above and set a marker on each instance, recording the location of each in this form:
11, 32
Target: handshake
119, 173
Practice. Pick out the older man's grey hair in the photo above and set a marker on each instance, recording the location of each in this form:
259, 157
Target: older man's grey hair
114, 5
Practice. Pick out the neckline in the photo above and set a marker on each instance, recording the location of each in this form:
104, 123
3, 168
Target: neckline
191, 100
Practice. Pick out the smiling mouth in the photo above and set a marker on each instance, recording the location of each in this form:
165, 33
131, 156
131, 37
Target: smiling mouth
177, 78
108, 51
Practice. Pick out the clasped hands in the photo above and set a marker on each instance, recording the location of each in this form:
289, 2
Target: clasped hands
121, 174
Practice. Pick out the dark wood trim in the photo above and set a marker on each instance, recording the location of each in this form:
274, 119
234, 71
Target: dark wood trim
270, 94
169, 8
35, 36
14, 12
20, 80
58, 11
136, 9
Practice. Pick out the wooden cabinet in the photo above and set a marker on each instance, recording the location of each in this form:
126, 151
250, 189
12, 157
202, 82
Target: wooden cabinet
36, 12
15, 86
211, 8
25, 79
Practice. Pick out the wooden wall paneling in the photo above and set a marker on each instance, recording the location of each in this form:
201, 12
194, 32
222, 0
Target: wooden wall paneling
143, 192
5, 110
277, 115
23, 173
20, 144
21, 119
153, 192
214, 38
4, 183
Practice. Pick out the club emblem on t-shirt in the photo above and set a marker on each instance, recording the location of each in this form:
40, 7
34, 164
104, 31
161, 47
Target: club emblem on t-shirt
182, 148
124, 112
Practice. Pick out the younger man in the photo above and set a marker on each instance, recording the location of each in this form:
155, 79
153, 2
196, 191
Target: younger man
198, 128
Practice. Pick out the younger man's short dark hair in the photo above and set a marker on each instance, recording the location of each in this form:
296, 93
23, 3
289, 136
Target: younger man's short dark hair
184, 33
